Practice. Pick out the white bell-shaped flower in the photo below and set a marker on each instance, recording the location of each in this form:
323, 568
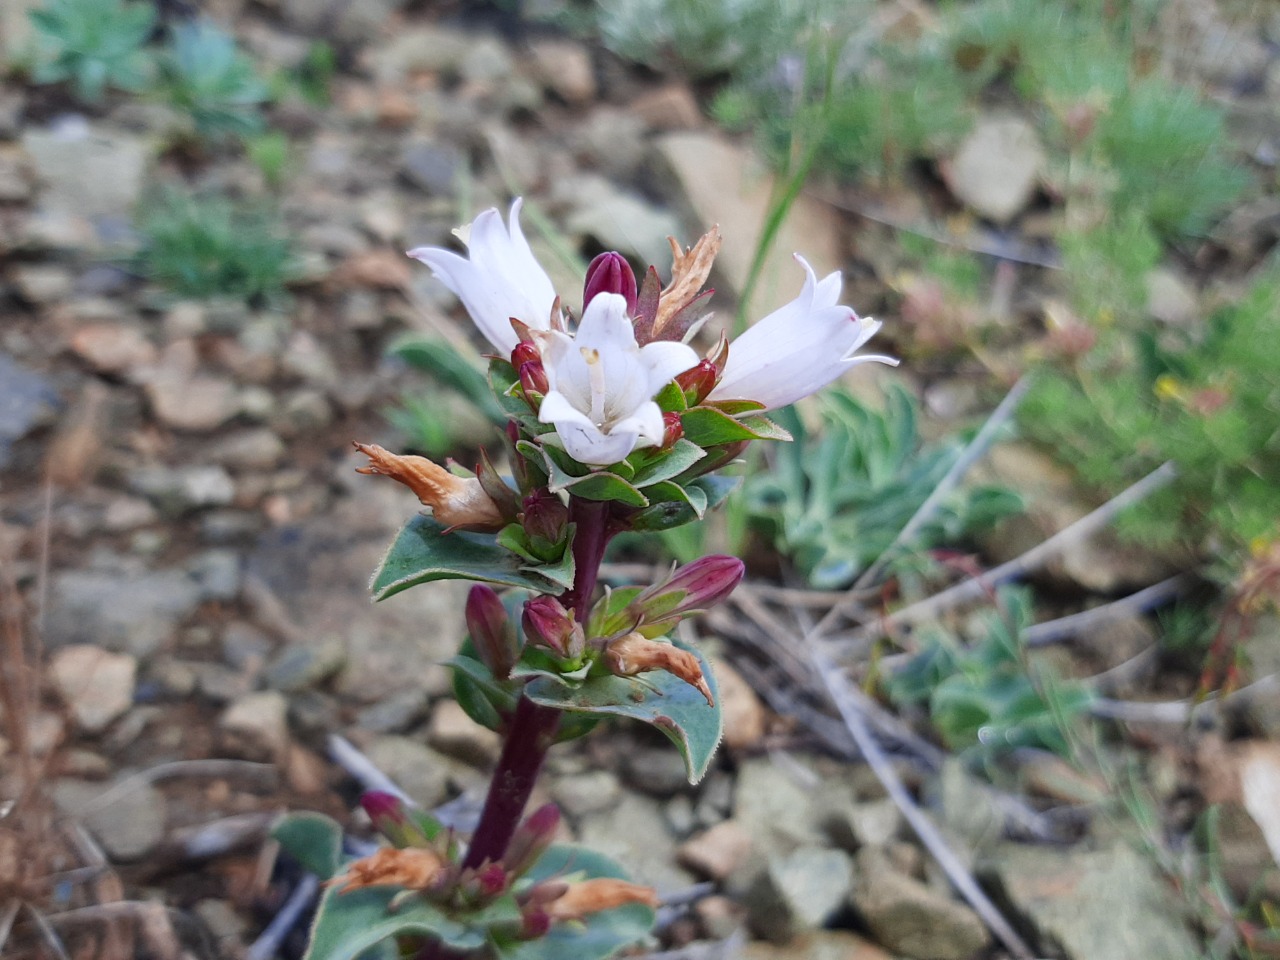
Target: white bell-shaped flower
602, 383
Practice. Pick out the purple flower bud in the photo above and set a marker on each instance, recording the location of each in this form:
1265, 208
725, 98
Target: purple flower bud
544, 516
526, 351
492, 632
610, 273
672, 430
549, 624
533, 378
697, 382
531, 839
392, 819
695, 586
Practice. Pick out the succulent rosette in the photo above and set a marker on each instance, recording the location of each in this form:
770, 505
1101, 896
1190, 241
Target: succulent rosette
613, 423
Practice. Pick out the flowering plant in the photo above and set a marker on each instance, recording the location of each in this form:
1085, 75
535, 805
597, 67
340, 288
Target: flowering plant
615, 423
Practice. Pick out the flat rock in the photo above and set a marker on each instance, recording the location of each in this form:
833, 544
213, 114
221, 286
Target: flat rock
996, 167
40, 283
113, 347
452, 732
87, 171
28, 400
634, 832
564, 68
798, 892
129, 824
179, 490
254, 449
580, 794
95, 684
912, 919
816, 945
717, 852
256, 726
192, 403
134, 614
777, 810
1103, 905
744, 714
418, 770
722, 183
620, 220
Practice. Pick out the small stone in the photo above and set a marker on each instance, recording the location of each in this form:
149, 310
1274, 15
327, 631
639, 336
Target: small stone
256, 726
816, 945
128, 513
129, 825
15, 174
119, 611
778, 812
218, 573
613, 142
997, 167
253, 449
454, 733
42, 283
422, 49
303, 411
658, 772
431, 166
873, 823
485, 61
622, 221
418, 770
86, 171
95, 684
582, 793
396, 713
720, 917
27, 401
744, 714
799, 892
306, 664
680, 814
1170, 299
634, 832
245, 647
179, 490
718, 852
226, 927
196, 404
912, 919
564, 68
673, 107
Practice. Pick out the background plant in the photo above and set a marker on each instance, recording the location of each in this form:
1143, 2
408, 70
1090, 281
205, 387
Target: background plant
94, 44
204, 74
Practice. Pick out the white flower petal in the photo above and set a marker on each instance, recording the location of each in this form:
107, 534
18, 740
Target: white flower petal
590, 445
499, 279
665, 360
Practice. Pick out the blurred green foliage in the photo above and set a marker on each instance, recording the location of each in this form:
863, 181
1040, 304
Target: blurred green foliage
94, 44
835, 498
205, 75
209, 246
984, 695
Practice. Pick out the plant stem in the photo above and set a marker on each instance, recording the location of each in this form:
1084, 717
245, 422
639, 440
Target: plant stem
532, 729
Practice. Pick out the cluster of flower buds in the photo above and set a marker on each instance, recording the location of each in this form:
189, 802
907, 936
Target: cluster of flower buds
423, 860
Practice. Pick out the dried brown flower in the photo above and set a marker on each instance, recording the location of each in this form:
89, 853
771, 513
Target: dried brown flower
456, 501
634, 653
412, 868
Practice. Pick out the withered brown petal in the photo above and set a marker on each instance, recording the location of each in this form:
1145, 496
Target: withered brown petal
602, 893
689, 271
635, 653
455, 501
411, 868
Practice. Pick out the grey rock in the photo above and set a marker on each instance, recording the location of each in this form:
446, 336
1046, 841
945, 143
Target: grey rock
179, 490
432, 166
419, 49
565, 68
16, 30
314, 713
910, 918
777, 811
454, 733
306, 664
129, 825
870, 823
816, 945
227, 927
719, 852
680, 814
192, 403
87, 171
350, 21
133, 614
1171, 299
418, 770
95, 684
613, 141
966, 806
39, 283
396, 713
15, 175
635, 833
1104, 905
715, 798
302, 411
580, 794
801, 891
218, 574
997, 166
253, 449
486, 61
656, 771
256, 726
218, 683
720, 182
229, 526
245, 647
27, 401
620, 220
114, 348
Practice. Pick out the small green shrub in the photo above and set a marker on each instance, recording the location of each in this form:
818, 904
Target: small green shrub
836, 497
95, 44
211, 247
206, 76
984, 695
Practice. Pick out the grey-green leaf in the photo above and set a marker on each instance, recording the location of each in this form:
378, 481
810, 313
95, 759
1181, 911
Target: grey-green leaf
347, 924
312, 839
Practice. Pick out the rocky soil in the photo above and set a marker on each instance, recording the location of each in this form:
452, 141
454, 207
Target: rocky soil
180, 512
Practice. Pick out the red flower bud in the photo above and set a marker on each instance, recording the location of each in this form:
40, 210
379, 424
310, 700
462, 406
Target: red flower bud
695, 586
534, 380
394, 820
526, 351
672, 430
531, 839
544, 516
492, 633
610, 273
547, 623
698, 382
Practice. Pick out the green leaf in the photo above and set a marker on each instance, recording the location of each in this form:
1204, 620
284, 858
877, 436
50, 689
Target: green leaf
480, 695
674, 506
503, 381
671, 399
452, 369
312, 839
708, 427
347, 924
423, 552
656, 698
600, 935
671, 463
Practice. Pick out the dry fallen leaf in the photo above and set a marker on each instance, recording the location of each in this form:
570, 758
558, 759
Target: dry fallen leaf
689, 271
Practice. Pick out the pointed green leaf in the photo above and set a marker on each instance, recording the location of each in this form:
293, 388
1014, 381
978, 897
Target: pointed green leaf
423, 552
483, 698
347, 924
668, 464
312, 839
600, 935
765, 429
656, 698
671, 399
673, 506
709, 427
